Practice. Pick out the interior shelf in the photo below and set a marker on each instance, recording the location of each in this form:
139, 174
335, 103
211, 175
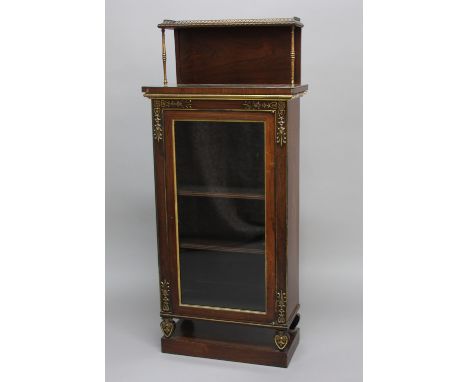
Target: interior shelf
255, 247
228, 193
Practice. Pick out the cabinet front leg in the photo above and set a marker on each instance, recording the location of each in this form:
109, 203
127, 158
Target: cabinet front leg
167, 327
281, 340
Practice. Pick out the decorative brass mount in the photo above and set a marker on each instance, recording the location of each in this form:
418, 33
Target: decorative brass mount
158, 107
281, 340
281, 303
167, 327
279, 108
165, 291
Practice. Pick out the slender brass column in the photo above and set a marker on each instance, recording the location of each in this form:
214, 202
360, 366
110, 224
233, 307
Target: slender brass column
163, 31
293, 55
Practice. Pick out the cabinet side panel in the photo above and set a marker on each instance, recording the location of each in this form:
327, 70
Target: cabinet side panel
297, 62
293, 206
160, 195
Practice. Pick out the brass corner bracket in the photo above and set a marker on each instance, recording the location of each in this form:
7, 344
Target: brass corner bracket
279, 108
158, 107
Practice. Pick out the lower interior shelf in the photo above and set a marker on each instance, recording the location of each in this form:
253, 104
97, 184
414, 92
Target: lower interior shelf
222, 192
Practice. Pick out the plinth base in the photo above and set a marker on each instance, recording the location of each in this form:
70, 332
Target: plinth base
229, 342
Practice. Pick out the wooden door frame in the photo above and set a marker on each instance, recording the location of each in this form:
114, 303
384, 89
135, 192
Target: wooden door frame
219, 314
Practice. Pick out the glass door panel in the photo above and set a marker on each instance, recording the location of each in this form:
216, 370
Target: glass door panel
220, 186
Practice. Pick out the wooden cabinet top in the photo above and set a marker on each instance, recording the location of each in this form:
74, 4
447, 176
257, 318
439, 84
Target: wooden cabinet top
204, 91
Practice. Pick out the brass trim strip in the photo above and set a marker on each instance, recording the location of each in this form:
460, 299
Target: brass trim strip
227, 97
177, 218
272, 325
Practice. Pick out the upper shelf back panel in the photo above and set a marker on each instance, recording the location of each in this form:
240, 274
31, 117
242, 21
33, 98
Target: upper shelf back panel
251, 51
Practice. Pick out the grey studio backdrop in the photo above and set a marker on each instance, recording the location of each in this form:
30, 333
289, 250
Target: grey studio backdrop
331, 192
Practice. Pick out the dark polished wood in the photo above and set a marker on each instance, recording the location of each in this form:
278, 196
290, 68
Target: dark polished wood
238, 55
231, 73
226, 89
229, 342
222, 314
293, 166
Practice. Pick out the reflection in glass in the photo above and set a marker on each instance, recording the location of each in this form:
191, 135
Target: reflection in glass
220, 172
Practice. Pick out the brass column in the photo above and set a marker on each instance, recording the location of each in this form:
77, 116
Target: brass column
163, 31
293, 55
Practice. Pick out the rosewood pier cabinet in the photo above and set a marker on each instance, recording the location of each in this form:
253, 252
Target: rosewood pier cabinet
226, 155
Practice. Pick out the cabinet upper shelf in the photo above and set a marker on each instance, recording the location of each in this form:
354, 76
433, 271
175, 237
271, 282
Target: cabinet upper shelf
224, 90
236, 51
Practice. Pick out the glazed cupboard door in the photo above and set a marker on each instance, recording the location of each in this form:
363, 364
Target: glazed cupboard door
220, 212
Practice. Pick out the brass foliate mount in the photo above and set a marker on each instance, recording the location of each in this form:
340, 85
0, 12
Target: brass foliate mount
280, 306
157, 126
279, 108
165, 295
281, 133
158, 107
281, 338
